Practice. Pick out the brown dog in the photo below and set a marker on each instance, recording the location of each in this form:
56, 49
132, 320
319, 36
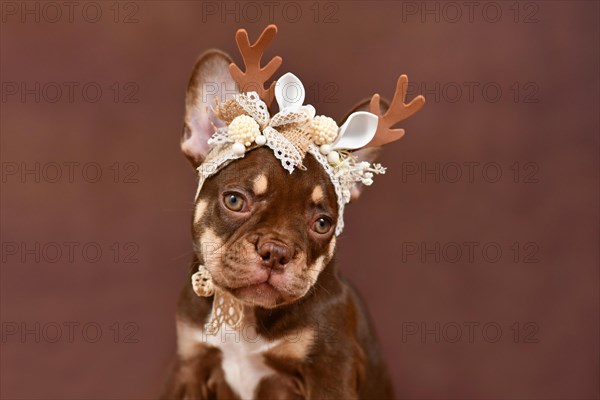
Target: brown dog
267, 237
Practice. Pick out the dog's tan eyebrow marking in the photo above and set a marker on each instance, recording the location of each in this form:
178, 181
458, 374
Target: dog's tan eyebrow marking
317, 194
260, 185
320, 263
200, 209
331, 249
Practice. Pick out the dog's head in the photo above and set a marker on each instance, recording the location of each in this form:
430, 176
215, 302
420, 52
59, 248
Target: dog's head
264, 234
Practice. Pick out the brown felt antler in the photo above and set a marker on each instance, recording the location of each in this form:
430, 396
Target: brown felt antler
398, 111
255, 77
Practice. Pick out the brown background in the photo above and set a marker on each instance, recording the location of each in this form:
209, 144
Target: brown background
550, 54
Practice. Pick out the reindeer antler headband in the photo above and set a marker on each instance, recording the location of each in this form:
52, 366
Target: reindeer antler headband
295, 130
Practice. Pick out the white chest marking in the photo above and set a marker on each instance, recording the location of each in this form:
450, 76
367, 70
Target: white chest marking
243, 361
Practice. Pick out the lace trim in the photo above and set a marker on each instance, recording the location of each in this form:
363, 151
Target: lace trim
343, 194
283, 149
253, 105
220, 137
287, 116
225, 310
217, 158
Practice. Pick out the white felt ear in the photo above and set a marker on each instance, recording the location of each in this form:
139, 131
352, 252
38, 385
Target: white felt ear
210, 79
357, 131
289, 92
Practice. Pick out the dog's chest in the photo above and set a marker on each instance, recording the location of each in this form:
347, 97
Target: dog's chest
242, 351
243, 358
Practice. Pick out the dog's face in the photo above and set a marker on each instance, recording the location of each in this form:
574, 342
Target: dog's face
265, 234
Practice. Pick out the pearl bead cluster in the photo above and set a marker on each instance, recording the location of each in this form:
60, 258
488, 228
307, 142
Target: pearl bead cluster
244, 130
323, 130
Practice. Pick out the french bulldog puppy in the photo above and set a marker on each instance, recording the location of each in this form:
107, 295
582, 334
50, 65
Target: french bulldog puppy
267, 237
268, 315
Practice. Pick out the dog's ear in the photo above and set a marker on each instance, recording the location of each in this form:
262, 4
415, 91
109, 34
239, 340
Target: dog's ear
210, 78
369, 154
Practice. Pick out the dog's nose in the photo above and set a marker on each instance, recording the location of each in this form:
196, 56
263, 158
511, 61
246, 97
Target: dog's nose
275, 255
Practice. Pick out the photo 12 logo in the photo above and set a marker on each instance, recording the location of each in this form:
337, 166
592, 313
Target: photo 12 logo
70, 12
470, 252
69, 92
68, 332
71, 172
470, 172
454, 12
69, 253
317, 92
471, 92
325, 12
470, 332
312, 331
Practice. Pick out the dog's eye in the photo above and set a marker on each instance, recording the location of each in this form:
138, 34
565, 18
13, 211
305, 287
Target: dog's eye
322, 226
233, 201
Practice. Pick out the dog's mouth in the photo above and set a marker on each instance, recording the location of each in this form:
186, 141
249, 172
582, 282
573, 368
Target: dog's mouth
263, 293
267, 290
